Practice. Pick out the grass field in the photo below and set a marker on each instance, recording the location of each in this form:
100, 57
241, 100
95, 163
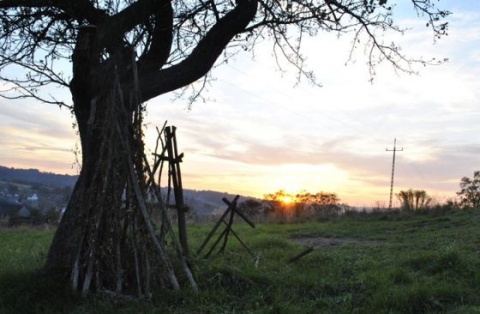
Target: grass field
377, 263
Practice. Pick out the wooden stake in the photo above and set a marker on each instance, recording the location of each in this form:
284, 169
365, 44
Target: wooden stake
297, 257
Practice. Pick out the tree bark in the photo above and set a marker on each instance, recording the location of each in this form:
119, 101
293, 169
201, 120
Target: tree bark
106, 241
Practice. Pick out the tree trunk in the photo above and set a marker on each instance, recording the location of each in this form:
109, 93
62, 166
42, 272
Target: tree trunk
106, 240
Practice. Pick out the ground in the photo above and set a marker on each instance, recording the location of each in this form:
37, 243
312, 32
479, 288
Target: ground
318, 242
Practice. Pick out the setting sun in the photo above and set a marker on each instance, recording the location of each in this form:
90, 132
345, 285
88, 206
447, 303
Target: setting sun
287, 199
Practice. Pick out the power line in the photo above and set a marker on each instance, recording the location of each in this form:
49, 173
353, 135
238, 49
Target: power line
394, 150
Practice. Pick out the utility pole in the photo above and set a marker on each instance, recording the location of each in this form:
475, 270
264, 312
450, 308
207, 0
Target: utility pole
394, 150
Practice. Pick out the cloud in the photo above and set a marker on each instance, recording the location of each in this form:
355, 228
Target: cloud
36, 136
262, 127
258, 131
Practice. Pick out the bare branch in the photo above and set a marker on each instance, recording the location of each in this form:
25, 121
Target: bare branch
179, 42
202, 58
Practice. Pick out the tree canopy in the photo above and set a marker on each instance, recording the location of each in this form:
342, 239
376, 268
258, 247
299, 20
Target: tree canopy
178, 42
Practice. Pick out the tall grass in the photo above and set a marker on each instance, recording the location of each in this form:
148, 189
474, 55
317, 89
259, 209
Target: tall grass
391, 263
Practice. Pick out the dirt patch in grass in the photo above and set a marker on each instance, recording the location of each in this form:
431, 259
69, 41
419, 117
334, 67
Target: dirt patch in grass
326, 242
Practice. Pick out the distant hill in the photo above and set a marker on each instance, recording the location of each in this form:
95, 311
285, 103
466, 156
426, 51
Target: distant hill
34, 176
203, 203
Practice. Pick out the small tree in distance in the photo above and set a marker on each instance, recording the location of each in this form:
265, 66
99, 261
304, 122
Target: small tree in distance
470, 191
414, 200
279, 204
320, 203
251, 207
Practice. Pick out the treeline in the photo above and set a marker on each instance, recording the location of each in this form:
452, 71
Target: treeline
34, 176
467, 198
283, 206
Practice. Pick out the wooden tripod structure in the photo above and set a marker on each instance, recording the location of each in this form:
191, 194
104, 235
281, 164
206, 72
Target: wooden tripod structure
230, 213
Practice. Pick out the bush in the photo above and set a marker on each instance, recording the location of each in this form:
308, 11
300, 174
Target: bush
470, 191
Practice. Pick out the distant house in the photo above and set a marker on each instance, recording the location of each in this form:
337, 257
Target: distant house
33, 198
24, 213
12, 207
9, 206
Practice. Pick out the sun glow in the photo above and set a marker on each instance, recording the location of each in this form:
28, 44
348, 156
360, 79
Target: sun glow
287, 199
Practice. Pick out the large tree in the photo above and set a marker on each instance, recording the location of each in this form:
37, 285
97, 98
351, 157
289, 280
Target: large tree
125, 52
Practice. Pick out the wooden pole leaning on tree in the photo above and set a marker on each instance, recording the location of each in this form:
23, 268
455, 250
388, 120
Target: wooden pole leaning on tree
170, 154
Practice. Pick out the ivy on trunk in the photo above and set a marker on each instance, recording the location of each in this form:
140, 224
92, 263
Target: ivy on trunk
107, 240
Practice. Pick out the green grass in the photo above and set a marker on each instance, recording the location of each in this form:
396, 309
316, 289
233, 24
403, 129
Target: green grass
400, 263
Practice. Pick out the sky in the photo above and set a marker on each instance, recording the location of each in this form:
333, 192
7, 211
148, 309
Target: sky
257, 131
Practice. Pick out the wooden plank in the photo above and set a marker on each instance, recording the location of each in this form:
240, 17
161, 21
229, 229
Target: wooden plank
177, 189
297, 257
